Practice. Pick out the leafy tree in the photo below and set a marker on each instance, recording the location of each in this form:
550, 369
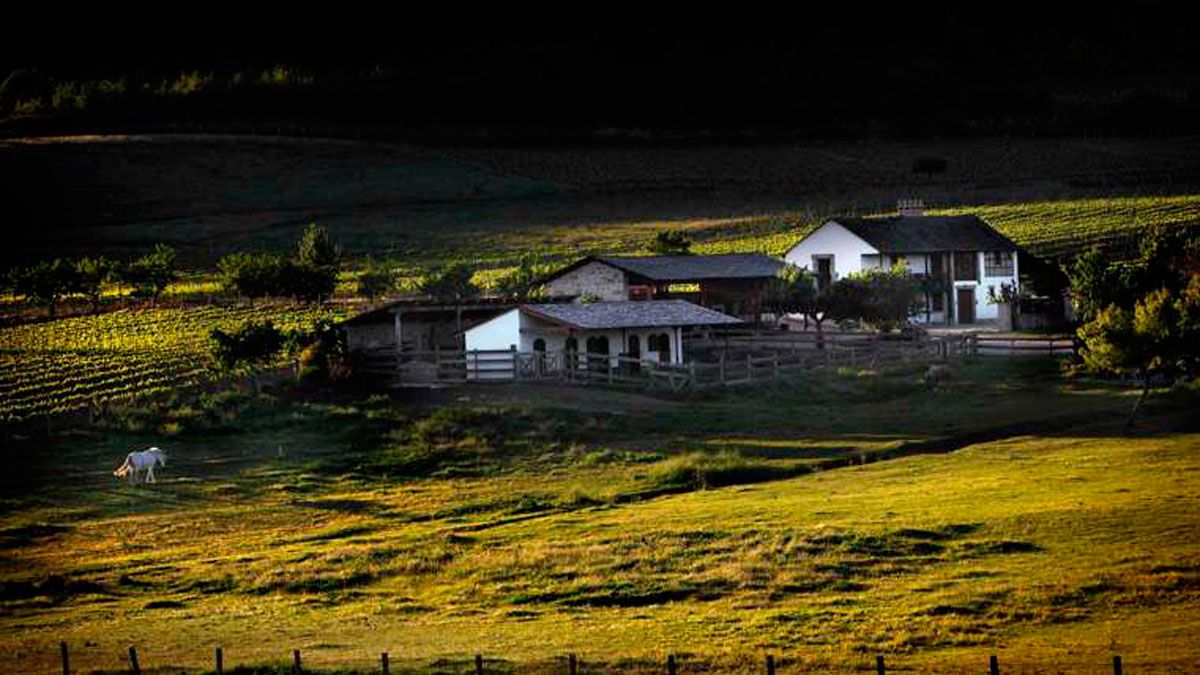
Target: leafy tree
91, 275
671, 242
1148, 341
521, 283
254, 275
450, 284
45, 283
152, 273
319, 352
794, 291
305, 282
375, 280
884, 298
250, 345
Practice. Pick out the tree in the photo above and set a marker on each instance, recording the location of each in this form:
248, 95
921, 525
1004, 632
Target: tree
45, 283
91, 276
254, 275
317, 248
1142, 343
883, 298
152, 273
794, 291
450, 284
671, 242
313, 274
250, 345
521, 283
375, 280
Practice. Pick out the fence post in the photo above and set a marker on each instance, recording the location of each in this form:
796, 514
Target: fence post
66, 660
770, 665
721, 367
479, 664
994, 665
383, 663
671, 665
775, 365
571, 664
133, 661
692, 372
1117, 669
296, 667
750, 367
880, 669
220, 659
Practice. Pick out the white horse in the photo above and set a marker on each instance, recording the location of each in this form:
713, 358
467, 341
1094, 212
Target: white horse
145, 460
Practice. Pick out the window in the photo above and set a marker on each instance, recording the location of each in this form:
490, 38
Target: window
571, 355
966, 267
539, 345
997, 264
939, 302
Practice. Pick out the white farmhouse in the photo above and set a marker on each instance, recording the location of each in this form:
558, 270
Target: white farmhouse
647, 330
965, 252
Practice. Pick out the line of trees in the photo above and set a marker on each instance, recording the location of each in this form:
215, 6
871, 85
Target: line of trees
49, 282
310, 274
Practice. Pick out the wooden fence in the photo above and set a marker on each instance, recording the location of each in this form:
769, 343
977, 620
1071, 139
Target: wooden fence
715, 361
571, 664
1024, 345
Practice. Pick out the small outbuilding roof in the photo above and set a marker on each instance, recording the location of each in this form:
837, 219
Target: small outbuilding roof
927, 234
686, 268
629, 314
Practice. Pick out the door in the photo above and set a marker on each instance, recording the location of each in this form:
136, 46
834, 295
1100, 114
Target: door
966, 305
824, 265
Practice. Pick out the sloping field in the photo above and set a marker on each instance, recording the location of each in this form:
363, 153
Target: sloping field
306, 530
208, 195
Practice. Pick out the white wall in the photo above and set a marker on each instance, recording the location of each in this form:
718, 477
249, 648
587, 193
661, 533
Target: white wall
594, 278
831, 239
502, 332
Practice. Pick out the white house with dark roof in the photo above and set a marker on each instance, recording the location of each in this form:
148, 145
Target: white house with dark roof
650, 330
731, 283
967, 254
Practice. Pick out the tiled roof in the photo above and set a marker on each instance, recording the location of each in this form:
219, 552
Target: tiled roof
696, 267
629, 314
927, 234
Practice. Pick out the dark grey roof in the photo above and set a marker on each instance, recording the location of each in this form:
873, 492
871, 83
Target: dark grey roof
629, 314
927, 234
697, 267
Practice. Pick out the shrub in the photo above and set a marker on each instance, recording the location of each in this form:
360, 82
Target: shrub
700, 471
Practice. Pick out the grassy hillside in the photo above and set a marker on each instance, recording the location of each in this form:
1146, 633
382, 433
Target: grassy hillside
525, 530
208, 195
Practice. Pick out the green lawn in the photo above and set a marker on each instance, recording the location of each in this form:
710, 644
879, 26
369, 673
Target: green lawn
1011, 516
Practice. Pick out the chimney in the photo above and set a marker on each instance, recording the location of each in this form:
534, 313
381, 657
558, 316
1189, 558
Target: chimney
911, 207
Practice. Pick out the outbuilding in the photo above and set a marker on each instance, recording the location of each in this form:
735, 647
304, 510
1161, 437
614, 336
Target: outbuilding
596, 331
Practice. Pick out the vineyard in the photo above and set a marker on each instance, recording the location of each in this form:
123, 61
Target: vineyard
68, 365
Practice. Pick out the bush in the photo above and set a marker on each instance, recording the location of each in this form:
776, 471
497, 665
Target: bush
253, 343
700, 471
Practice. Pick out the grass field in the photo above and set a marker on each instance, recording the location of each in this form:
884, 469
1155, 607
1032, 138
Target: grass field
1010, 517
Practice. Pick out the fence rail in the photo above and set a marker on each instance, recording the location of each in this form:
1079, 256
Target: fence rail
570, 664
716, 360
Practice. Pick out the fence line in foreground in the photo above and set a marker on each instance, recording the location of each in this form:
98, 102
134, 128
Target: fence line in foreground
673, 666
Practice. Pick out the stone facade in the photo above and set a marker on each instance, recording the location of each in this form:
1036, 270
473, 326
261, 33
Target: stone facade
594, 278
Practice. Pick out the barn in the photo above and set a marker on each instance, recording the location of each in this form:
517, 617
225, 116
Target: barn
647, 330
732, 284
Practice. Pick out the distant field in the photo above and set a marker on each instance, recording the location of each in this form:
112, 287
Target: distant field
522, 527
71, 364
208, 195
